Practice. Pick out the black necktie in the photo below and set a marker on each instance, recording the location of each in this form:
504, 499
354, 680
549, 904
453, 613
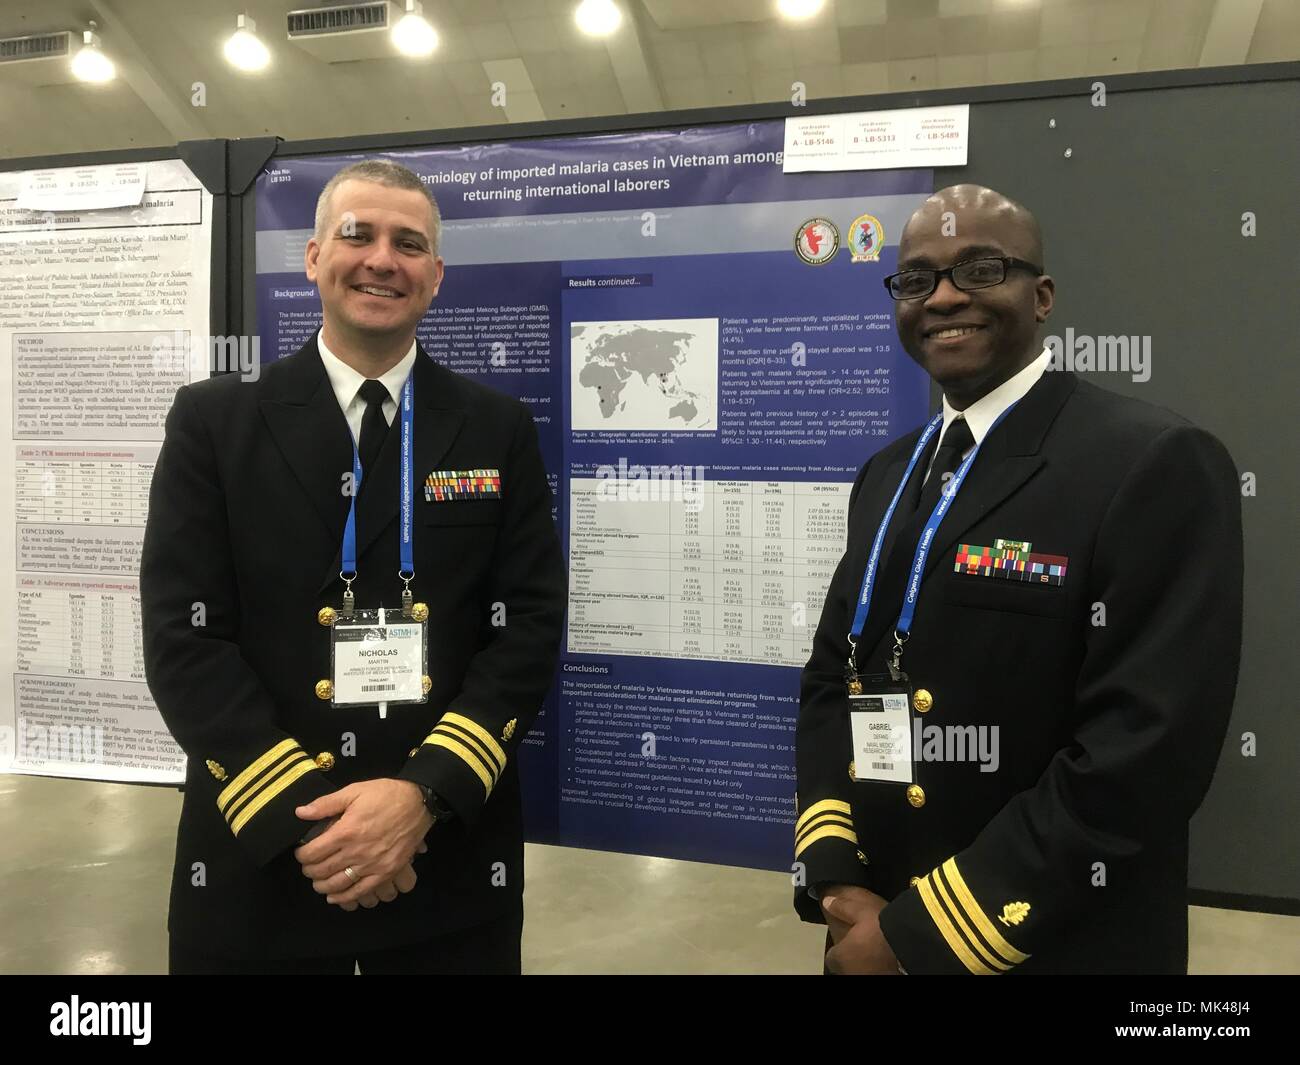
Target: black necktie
374, 426
956, 440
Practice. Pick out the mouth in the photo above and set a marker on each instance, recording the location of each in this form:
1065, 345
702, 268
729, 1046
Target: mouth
382, 291
952, 333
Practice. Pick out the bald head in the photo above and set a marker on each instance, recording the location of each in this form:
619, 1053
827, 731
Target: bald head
947, 210
971, 333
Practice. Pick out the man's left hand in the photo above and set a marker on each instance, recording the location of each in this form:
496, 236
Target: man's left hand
863, 949
380, 825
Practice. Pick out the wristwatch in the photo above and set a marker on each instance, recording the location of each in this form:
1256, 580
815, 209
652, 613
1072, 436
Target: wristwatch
434, 804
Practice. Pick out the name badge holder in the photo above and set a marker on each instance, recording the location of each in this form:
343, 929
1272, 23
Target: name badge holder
881, 705
880, 717
380, 655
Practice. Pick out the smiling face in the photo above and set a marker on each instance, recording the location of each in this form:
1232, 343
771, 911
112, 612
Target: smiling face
971, 341
374, 264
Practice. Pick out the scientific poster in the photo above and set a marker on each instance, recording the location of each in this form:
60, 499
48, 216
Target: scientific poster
103, 315
710, 356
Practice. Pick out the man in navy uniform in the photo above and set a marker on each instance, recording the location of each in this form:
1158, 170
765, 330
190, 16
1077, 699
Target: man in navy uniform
1038, 620
322, 830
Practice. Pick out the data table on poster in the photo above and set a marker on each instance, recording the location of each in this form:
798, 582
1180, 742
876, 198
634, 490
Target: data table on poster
732, 571
80, 633
82, 491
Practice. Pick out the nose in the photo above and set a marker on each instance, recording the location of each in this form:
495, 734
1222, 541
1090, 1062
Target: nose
380, 257
946, 297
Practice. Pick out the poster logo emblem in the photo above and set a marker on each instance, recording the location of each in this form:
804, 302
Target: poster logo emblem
866, 238
817, 241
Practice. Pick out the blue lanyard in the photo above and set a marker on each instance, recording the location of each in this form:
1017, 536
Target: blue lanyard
940, 511
406, 541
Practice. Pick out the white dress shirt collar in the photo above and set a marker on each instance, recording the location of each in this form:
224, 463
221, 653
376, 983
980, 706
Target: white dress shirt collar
981, 414
347, 382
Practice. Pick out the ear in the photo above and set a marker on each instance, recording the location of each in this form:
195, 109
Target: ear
437, 274
309, 260
1044, 298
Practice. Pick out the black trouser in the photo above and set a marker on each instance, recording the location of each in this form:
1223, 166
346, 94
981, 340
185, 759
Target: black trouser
489, 949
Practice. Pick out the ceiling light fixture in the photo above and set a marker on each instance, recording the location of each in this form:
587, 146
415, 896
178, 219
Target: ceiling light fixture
599, 18
413, 35
799, 9
90, 63
245, 49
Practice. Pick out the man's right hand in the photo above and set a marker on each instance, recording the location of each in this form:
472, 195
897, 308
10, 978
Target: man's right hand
854, 900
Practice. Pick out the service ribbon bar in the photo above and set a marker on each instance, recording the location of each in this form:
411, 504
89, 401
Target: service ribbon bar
445, 485
1010, 563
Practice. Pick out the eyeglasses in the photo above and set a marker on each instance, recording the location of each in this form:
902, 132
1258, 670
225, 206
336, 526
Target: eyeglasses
970, 274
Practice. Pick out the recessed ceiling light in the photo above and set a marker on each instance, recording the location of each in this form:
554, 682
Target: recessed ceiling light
414, 35
91, 64
797, 9
599, 18
245, 49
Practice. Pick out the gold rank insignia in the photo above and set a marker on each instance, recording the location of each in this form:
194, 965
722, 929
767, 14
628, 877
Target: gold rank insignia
509, 730
853, 772
326, 616
426, 684
1014, 913
922, 700
324, 689
325, 761
420, 612
216, 769
855, 686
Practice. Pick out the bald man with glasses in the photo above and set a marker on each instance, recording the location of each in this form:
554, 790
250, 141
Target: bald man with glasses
1027, 657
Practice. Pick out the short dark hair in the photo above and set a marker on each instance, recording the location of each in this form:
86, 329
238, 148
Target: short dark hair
381, 172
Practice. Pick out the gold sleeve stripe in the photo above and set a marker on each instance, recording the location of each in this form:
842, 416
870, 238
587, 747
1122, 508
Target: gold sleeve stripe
949, 933
825, 833
466, 754
250, 793
471, 741
977, 916
237, 785
283, 781
478, 732
985, 954
825, 806
825, 819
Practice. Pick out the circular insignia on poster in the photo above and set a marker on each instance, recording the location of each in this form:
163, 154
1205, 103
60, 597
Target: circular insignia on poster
866, 238
817, 241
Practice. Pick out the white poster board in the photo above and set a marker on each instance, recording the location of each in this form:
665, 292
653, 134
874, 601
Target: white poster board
103, 315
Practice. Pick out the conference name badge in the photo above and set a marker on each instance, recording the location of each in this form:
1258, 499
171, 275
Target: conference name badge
379, 657
881, 721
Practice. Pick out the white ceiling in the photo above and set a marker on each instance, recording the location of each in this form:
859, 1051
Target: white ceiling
668, 55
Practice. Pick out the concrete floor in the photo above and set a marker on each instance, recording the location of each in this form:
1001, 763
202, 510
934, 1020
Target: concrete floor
84, 880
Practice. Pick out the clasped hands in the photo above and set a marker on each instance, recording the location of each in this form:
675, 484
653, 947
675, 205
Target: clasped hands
853, 918
377, 827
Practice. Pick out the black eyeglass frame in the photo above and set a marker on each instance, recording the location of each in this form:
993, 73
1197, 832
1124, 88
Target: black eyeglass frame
1008, 263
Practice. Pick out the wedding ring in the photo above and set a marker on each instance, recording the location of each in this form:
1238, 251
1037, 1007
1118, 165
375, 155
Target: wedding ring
351, 875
